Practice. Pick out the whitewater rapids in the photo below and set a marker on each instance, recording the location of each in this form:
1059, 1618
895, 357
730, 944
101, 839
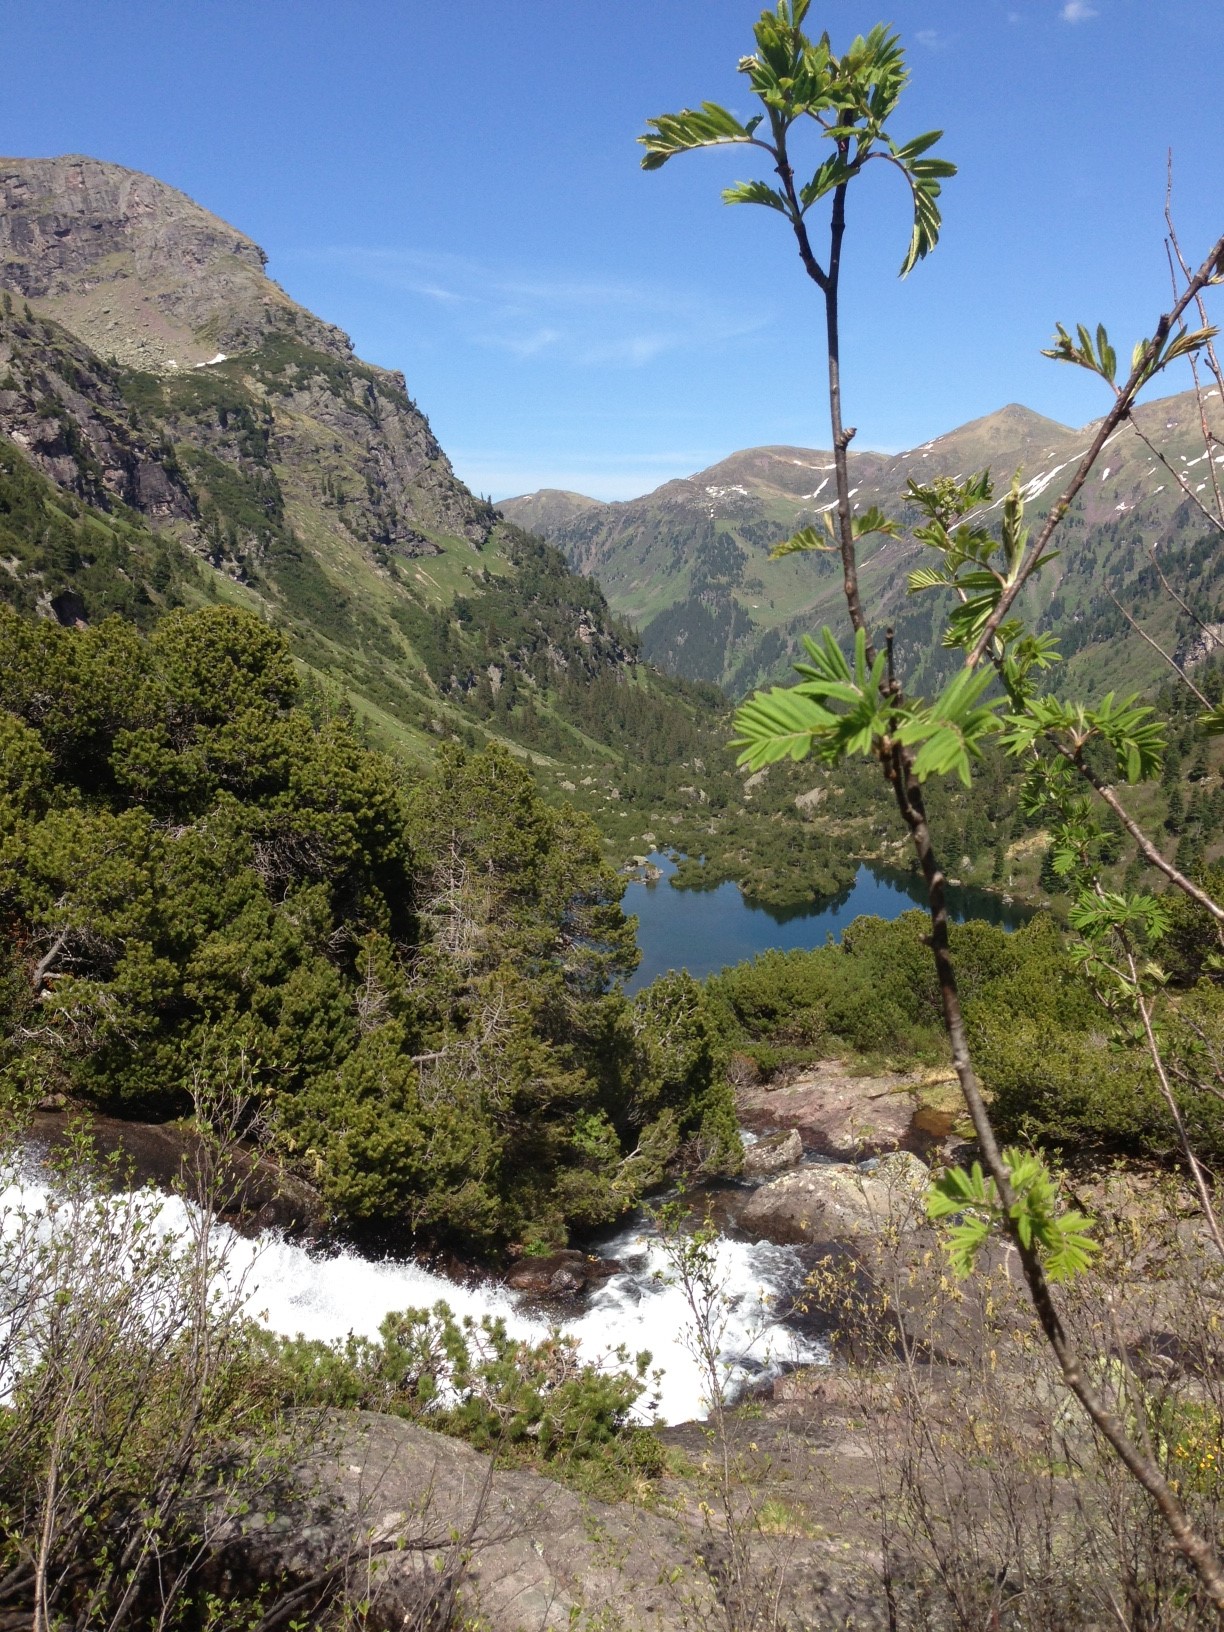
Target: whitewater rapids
293, 1289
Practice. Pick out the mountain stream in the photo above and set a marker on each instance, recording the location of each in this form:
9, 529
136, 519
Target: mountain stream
295, 1288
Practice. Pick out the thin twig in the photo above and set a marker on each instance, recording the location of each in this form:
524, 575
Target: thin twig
1196, 1167
828, 283
1127, 393
1145, 846
1156, 647
1216, 518
1213, 362
1189, 611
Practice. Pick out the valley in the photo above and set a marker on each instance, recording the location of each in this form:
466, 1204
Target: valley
176, 432
328, 793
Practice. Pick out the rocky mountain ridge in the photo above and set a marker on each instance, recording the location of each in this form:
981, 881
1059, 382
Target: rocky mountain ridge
142, 277
138, 270
687, 563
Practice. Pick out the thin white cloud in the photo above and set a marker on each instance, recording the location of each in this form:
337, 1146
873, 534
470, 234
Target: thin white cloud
1078, 11
929, 38
432, 291
575, 321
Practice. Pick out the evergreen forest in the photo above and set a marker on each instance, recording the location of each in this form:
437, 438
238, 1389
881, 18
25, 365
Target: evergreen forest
417, 973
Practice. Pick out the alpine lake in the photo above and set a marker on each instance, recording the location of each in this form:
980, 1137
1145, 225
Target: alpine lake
705, 930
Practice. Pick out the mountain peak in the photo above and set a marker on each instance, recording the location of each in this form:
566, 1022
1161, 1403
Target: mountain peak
1013, 422
548, 508
140, 271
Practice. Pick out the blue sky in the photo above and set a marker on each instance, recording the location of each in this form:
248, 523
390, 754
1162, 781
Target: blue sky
458, 187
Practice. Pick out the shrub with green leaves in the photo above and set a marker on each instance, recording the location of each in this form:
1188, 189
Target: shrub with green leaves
520, 1400
874, 994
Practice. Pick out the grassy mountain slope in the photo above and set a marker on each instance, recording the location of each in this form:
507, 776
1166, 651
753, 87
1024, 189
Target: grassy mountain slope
151, 371
175, 430
687, 564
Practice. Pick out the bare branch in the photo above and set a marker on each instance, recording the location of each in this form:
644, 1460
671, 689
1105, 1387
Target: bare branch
1158, 648
1170, 1099
45, 965
1216, 518
1113, 419
1145, 846
1212, 637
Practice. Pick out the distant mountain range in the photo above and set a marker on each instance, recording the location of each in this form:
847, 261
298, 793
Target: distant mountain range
687, 564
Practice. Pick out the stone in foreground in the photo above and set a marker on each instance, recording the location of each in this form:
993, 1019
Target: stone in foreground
429, 1533
773, 1154
837, 1201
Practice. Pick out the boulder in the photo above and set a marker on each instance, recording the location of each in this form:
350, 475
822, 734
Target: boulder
837, 1201
835, 1114
255, 1193
429, 1533
559, 1274
773, 1153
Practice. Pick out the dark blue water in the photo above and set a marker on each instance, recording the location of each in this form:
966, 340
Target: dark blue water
704, 930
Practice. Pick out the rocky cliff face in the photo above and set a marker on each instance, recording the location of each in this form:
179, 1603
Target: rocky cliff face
137, 269
148, 358
64, 408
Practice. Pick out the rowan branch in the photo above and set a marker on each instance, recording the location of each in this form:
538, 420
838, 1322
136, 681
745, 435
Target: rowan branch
1170, 1099
1158, 648
1216, 520
1145, 846
1127, 393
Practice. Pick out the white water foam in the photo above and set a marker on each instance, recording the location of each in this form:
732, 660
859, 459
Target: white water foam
643, 1308
292, 1289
